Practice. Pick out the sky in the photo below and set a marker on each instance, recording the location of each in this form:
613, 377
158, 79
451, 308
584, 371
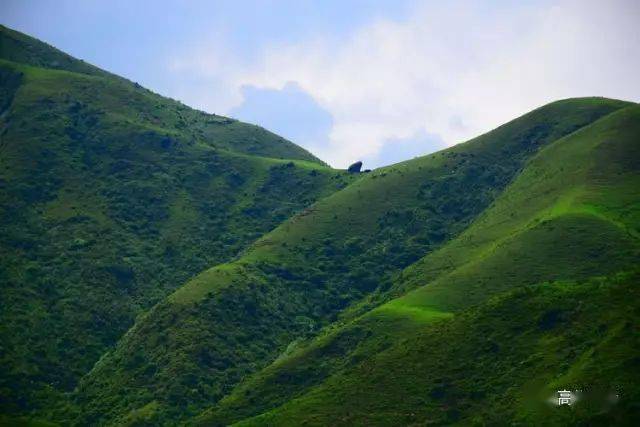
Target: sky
377, 81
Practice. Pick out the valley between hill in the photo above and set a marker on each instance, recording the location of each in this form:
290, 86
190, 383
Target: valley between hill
162, 266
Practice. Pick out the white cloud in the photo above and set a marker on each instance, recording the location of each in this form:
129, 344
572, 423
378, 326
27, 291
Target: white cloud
208, 74
452, 71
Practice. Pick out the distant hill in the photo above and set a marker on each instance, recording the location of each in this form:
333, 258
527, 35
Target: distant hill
539, 294
336, 261
163, 266
21, 48
111, 197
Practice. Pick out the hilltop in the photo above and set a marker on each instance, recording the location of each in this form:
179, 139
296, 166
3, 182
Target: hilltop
110, 197
345, 256
538, 294
165, 266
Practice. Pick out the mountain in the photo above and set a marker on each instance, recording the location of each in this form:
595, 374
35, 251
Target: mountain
538, 294
163, 266
337, 260
110, 198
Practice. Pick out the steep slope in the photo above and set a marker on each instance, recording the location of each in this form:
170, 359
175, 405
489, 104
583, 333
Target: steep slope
492, 365
21, 48
110, 198
323, 264
502, 313
130, 103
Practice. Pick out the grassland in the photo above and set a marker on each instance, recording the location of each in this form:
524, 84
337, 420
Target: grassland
524, 311
338, 259
163, 266
110, 198
496, 363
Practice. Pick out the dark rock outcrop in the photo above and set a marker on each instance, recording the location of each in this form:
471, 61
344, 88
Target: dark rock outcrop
355, 168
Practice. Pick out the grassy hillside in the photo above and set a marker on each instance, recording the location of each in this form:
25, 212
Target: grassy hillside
160, 265
110, 198
20, 48
326, 263
501, 316
492, 365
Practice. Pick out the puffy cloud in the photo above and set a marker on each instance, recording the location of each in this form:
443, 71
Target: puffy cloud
447, 71
208, 75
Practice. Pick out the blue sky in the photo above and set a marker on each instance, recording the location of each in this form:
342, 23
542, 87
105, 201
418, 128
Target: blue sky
379, 81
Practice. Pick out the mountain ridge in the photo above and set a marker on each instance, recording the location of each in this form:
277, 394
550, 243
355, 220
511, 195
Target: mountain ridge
110, 196
363, 338
280, 261
199, 270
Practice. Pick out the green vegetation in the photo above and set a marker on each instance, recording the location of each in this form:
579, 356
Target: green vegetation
335, 260
110, 198
337, 378
164, 266
488, 365
21, 48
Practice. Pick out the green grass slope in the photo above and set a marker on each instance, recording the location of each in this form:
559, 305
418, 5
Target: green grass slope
514, 298
110, 198
230, 321
498, 363
21, 48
